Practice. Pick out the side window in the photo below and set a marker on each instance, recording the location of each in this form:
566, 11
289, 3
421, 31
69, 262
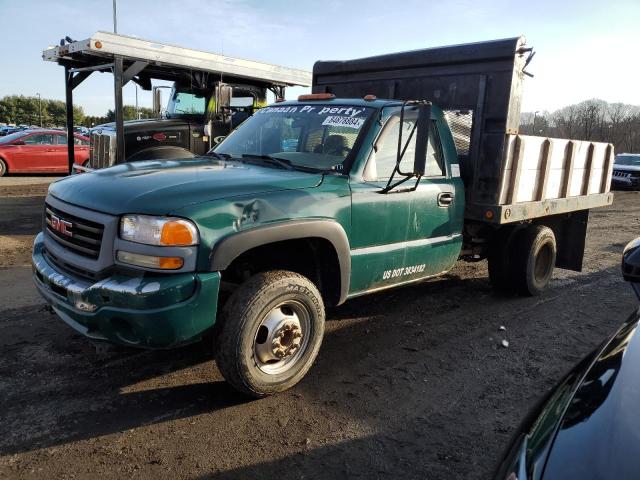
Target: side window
435, 164
383, 160
386, 152
76, 141
41, 139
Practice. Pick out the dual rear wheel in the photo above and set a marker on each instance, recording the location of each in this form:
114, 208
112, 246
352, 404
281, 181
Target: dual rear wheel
522, 260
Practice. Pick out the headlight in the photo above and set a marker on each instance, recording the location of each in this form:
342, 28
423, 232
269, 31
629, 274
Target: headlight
162, 231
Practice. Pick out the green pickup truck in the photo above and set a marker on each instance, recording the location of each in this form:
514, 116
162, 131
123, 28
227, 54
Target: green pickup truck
312, 202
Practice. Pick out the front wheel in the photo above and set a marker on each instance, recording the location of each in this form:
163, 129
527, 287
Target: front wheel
3, 168
271, 330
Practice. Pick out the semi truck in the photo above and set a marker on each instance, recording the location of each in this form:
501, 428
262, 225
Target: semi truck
210, 95
393, 169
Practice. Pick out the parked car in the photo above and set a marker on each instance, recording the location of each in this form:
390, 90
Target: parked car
39, 151
7, 130
626, 171
588, 427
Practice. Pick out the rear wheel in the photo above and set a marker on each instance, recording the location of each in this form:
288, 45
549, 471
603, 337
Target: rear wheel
534, 259
271, 330
3, 168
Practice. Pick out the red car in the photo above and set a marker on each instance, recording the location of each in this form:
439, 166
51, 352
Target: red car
39, 151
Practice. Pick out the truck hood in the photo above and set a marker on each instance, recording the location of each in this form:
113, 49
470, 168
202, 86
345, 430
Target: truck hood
626, 168
158, 187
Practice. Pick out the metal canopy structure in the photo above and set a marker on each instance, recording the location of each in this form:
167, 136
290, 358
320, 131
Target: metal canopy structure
138, 60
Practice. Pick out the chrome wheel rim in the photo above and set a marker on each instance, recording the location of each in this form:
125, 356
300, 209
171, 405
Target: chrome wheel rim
282, 337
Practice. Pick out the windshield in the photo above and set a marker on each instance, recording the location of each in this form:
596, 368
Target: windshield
12, 136
186, 103
631, 160
312, 136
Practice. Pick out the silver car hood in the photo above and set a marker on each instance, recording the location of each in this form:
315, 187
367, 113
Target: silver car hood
626, 168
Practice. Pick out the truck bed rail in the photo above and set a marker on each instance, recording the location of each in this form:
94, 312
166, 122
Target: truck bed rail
545, 176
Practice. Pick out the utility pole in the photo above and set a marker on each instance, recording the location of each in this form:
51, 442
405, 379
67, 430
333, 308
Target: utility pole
115, 17
40, 108
535, 114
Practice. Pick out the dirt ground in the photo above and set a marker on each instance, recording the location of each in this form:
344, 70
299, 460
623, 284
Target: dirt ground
411, 383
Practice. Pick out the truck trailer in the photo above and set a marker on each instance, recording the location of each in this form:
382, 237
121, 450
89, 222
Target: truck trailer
393, 169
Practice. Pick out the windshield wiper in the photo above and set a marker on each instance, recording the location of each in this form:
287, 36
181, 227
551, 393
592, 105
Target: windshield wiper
219, 156
280, 162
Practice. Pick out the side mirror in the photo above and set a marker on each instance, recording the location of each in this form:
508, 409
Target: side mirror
631, 261
224, 93
422, 139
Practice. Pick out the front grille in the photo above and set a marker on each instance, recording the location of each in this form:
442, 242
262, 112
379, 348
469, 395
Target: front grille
69, 268
622, 174
101, 150
78, 235
618, 173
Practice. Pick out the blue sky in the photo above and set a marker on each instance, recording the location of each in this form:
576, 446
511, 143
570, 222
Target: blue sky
585, 49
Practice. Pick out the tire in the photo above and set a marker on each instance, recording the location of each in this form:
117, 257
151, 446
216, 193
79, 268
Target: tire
500, 259
263, 311
534, 259
3, 168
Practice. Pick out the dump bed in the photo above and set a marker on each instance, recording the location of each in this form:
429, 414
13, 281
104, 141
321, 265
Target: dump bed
508, 177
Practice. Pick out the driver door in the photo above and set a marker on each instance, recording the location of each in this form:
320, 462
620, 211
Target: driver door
380, 222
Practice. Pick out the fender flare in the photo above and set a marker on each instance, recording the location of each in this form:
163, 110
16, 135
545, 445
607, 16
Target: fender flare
161, 152
232, 246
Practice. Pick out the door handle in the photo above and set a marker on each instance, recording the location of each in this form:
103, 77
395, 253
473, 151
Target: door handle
445, 199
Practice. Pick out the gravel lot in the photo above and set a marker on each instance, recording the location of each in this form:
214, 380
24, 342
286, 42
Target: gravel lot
412, 383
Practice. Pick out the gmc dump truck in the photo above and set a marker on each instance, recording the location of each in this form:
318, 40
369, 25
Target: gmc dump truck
393, 169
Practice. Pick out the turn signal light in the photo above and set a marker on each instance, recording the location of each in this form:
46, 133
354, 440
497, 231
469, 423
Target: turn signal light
177, 233
150, 261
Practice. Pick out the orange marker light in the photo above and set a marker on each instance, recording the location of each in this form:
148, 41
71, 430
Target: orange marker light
177, 233
170, 263
98, 44
370, 97
488, 214
316, 96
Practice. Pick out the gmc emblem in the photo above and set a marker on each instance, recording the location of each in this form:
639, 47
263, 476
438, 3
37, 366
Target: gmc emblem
61, 226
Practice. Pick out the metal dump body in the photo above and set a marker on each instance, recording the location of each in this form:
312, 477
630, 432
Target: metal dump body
546, 176
161, 57
479, 86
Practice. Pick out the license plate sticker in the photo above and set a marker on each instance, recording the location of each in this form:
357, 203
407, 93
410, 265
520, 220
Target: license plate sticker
343, 121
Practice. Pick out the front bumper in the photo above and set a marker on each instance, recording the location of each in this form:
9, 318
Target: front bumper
148, 310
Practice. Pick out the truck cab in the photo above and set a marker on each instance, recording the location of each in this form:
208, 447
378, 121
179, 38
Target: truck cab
194, 120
